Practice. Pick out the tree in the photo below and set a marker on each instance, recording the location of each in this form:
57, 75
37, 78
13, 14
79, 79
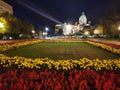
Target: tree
16, 27
110, 22
99, 29
26, 29
5, 26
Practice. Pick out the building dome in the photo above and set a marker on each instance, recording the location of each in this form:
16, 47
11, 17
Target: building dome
83, 19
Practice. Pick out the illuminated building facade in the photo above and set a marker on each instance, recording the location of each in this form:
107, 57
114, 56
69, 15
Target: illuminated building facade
71, 29
4, 7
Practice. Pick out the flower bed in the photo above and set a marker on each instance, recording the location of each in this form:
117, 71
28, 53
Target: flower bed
117, 46
110, 48
45, 74
12, 45
17, 79
45, 63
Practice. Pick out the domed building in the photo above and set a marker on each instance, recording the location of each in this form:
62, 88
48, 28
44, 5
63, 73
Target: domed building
71, 29
83, 19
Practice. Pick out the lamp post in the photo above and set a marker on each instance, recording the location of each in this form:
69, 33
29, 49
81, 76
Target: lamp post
46, 30
33, 32
96, 32
119, 30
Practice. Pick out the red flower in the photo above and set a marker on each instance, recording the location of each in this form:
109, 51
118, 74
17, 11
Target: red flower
1, 84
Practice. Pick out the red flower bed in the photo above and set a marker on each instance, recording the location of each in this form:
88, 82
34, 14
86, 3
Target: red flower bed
10, 42
16, 79
107, 43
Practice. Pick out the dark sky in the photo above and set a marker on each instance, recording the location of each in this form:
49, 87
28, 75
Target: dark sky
40, 11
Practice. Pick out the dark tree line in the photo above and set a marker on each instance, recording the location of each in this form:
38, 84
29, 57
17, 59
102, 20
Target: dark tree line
16, 28
111, 20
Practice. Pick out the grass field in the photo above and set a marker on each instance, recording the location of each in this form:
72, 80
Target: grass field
61, 50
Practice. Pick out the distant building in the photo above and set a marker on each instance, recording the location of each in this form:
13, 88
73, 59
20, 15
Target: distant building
58, 29
71, 29
4, 7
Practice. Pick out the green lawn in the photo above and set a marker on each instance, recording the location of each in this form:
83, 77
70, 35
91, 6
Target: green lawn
61, 50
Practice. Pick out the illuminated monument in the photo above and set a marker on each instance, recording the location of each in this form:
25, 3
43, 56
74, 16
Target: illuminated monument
71, 29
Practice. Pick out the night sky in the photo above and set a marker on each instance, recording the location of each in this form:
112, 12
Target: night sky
58, 10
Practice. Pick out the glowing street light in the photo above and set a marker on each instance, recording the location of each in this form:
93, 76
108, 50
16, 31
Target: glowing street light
1, 25
119, 27
86, 33
119, 30
46, 29
45, 33
96, 31
33, 31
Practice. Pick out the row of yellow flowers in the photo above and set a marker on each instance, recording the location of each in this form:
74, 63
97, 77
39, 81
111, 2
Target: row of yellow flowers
40, 63
6, 47
106, 47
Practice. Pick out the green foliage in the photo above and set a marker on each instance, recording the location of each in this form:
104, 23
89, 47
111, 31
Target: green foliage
99, 28
111, 21
5, 27
15, 26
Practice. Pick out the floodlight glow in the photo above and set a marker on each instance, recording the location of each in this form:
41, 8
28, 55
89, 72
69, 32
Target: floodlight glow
68, 27
86, 33
1, 25
118, 27
44, 33
95, 31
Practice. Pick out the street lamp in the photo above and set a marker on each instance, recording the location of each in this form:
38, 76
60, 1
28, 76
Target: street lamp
45, 32
119, 30
1, 25
86, 33
46, 29
96, 32
119, 27
33, 31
